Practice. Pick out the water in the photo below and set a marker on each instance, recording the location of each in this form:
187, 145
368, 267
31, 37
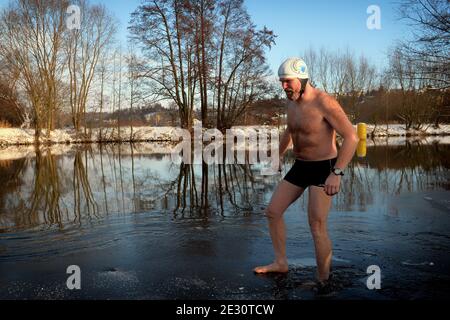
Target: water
142, 227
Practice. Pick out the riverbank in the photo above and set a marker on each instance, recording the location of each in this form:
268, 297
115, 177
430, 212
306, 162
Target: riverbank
14, 152
18, 136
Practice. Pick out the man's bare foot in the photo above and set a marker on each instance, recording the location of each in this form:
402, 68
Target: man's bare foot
275, 267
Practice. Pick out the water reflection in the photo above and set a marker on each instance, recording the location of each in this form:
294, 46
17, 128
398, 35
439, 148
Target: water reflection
392, 170
82, 192
45, 196
89, 183
11, 179
202, 190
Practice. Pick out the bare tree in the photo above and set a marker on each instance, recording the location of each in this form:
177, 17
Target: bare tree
119, 93
324, 69
311, 59
359, 80
132, 84
84, 48
202, 14
11, 109
202, 51
338, 74
158, 26
31, 39
402, 71
414, 101
241, 69
343, 75
103, 73
429, 47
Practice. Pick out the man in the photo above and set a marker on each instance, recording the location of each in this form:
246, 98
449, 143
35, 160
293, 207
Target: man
313, 118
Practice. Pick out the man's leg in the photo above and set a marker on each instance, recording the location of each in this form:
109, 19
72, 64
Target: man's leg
285, 194
319, 205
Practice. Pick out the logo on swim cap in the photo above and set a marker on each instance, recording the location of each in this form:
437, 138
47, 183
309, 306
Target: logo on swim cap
293, 68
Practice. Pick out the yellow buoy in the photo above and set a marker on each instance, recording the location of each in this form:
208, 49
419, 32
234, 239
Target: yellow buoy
361, 150
362, 131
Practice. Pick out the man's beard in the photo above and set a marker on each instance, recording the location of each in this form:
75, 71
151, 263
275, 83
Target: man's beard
291, 95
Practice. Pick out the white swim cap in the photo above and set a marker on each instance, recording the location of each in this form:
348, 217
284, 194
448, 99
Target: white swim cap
293, 68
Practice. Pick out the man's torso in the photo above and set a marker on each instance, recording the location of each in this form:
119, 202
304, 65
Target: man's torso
312, 136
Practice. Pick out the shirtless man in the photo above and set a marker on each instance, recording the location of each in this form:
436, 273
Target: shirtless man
313, 118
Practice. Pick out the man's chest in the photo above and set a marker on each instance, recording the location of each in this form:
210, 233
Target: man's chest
305, 120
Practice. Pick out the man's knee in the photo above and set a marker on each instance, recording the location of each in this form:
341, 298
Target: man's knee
318, 227
273, 214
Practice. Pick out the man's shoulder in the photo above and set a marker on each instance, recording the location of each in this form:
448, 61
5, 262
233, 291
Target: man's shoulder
326, 102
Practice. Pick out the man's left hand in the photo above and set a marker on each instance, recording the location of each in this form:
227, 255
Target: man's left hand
332, 185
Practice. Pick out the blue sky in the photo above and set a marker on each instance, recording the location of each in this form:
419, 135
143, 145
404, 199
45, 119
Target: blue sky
334, 24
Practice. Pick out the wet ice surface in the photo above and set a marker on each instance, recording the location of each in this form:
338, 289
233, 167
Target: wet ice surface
214, 264
122, 229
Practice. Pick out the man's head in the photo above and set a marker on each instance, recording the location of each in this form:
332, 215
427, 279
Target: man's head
293, 74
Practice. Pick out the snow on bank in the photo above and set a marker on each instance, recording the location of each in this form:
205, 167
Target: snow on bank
29, 151
398, 130
17, 136
403, 140
15, 152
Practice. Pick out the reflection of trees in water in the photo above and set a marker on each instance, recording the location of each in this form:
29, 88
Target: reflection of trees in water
393, 170
45, 196
85, 185
201, 190
219, 188
197, 190
82, 188
42, 200
411, 155
115, 179
357, 189
11, 179
411, 167
91, 183
103, 180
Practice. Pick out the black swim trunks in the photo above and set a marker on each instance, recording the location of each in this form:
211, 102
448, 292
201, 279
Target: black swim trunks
310, 173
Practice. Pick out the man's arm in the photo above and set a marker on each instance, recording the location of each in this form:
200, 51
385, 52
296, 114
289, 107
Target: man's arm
337, 118
285, 142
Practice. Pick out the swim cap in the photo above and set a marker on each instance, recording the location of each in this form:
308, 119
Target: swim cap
293, 68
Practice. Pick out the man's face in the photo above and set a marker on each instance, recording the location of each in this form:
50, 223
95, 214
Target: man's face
292, 87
